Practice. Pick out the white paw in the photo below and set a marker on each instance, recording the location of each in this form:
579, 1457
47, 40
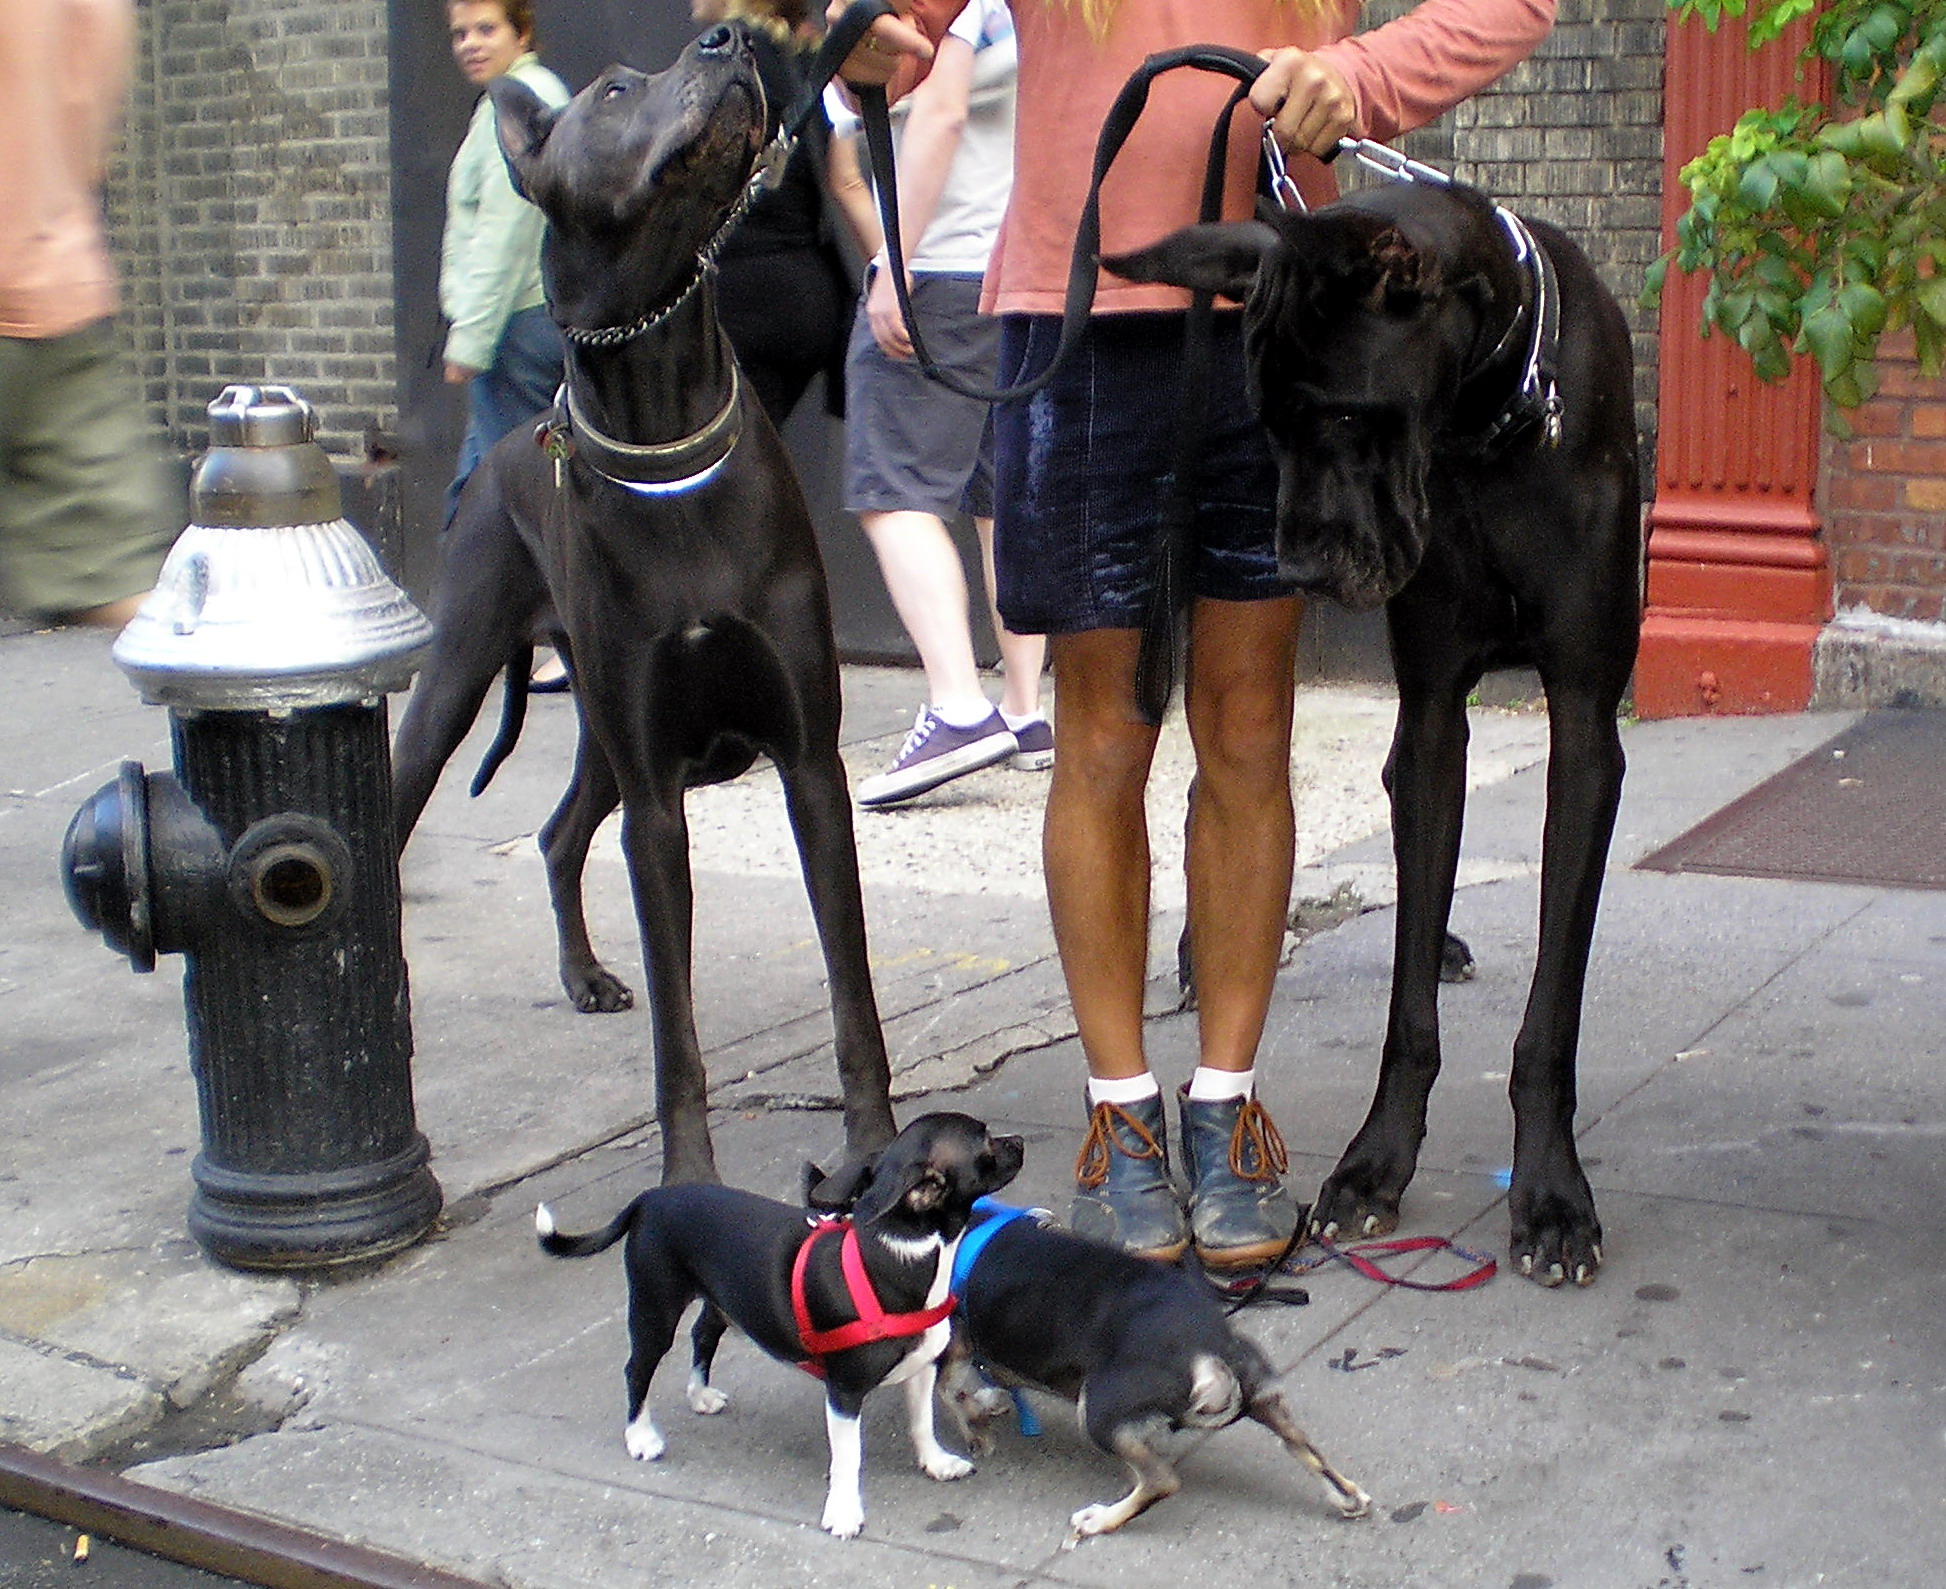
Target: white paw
644, 1441
843, 1517
945, 1467
706, 1399
1097, 1519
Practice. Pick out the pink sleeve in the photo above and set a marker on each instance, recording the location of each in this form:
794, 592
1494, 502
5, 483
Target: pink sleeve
1417, 68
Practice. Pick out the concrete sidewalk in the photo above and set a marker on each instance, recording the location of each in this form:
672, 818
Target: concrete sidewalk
1751, 1394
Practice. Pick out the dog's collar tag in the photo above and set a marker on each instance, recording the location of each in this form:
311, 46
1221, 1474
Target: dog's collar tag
873, 1322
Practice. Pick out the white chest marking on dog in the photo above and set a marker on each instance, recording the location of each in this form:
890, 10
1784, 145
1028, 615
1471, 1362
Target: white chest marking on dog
930, 1343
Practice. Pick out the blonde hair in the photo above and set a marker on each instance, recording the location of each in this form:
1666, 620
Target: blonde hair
1099, 14
779, 18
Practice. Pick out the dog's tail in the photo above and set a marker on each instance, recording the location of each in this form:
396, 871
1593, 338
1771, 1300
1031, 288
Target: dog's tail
564, 1246
1215, 1394
513, 713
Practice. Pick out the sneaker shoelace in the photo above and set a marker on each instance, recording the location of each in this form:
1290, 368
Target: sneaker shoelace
1257, 1141
1109, 1125
922, 727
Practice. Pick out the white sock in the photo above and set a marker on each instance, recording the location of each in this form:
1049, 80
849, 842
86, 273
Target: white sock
1018, 723
1215, 1086
963, 714
1122, 1089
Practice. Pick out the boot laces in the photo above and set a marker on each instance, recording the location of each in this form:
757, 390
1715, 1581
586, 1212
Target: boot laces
1110, 1127
1257, 1150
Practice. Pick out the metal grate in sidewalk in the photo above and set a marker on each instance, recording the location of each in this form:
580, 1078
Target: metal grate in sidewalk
1866, 807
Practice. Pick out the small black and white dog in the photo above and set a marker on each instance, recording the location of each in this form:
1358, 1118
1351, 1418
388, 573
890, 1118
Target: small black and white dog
1143, 1348
864, 1308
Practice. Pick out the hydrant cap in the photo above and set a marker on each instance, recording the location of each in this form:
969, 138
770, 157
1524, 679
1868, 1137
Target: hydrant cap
260, 416
270, 599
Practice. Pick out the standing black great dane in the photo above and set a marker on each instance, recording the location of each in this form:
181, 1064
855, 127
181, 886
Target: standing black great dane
1449, 392
656, 522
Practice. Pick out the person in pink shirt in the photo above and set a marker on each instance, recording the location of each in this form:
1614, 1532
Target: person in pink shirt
83, 489
1080, 474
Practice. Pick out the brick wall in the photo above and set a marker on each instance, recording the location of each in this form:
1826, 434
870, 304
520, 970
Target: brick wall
252, 209
1884, 496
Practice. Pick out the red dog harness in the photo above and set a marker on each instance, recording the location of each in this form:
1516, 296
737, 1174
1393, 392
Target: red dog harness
873, 1322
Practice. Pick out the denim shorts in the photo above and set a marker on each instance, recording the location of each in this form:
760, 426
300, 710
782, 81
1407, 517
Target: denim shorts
1082, 464
912, 445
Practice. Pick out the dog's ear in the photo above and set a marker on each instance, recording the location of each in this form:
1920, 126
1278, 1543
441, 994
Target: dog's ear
918, 1187
523, 121
838, 1192
1220, 258
1405, 277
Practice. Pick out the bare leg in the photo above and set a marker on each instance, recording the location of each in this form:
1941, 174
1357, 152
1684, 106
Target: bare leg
1022, 655
1238, 698
927, 583
1095, 844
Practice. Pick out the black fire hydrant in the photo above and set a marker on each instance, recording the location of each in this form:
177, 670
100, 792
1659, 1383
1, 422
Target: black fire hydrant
267, 859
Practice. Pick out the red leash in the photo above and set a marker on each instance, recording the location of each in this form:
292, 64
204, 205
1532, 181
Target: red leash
1367, 1256
873, 1322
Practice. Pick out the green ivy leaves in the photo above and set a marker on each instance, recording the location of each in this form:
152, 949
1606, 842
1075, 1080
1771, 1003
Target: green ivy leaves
1822, 229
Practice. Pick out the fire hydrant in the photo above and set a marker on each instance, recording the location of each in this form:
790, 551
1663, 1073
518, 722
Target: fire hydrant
267, 858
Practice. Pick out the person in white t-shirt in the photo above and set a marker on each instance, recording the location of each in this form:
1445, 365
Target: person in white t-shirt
917, 453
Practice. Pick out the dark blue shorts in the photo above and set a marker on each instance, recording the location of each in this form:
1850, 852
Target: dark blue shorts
1081, 465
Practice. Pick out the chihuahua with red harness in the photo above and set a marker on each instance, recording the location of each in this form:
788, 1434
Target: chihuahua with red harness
859, 1301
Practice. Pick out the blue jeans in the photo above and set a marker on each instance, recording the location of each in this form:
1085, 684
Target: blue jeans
520, 383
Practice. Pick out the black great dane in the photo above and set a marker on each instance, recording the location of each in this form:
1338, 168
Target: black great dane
655, 522
1448, 391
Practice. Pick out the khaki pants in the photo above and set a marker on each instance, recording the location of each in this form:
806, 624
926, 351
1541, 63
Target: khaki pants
83, 492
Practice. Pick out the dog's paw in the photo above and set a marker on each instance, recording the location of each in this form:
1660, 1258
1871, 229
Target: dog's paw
1556, 1236
843, 1516
945, 1467
1361, 1196
706, 1400
644, 1441
1101, 1518
597, 991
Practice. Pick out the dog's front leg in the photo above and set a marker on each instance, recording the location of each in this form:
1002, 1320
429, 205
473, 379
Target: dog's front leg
655, 836
1426, 777
844, 1499
1556, 1235
935, 1461
819, 801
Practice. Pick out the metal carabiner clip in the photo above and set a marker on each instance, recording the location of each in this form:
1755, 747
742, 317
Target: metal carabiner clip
1282, 188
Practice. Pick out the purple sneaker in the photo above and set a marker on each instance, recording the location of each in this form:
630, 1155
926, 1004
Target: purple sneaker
934, 753
1036, 741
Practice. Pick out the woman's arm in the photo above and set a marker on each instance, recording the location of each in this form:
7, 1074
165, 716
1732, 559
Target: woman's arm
845, 181
935, 118
1399, 76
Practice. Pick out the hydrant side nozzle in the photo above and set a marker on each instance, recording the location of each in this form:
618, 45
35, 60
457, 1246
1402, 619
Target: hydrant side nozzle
105, 866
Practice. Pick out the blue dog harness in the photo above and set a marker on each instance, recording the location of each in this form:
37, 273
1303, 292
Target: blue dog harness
994, 1218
